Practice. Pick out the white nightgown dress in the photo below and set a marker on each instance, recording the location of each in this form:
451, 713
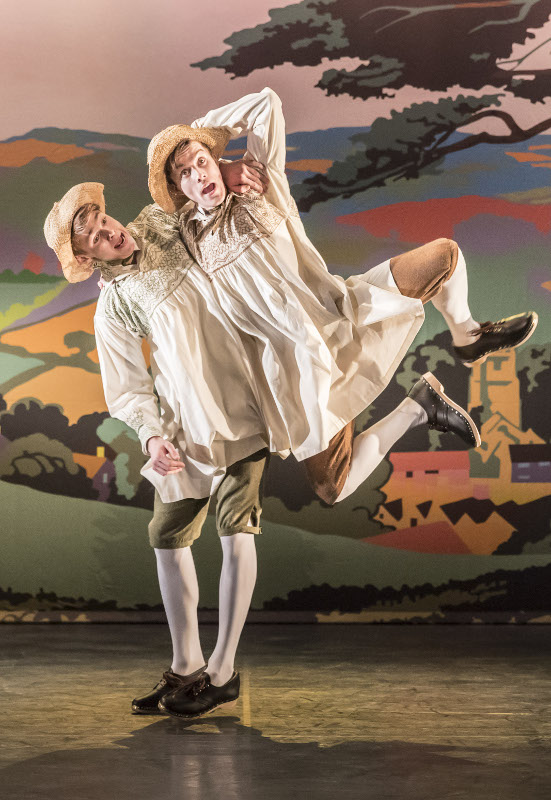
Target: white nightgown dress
265, 349
322, 348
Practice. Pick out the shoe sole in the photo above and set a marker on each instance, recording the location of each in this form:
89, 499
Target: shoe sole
146, 712
227, 703
529, 332
435, 384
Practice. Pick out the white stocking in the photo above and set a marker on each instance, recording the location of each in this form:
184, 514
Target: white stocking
370, 447
237, 581
453, 304
180, 593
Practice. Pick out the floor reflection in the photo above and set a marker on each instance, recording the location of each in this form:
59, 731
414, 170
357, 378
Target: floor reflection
352, 713
221, 758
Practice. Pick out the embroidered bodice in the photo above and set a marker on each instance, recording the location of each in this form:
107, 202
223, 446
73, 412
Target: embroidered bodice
217, 238
135, 290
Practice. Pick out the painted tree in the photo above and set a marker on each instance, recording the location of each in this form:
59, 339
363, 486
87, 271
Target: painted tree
534, 371
32, 416
44, 464
129, 487
428, 46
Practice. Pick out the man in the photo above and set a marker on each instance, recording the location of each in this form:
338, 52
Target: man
210, 409
132, 253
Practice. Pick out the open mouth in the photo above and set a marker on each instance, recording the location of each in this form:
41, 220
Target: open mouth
120, 242
209, 189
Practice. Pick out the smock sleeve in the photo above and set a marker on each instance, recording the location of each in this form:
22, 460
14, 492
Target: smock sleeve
127, 385
260, 116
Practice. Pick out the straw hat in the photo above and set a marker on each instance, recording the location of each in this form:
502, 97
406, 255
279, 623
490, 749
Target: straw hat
161, 146
59, 223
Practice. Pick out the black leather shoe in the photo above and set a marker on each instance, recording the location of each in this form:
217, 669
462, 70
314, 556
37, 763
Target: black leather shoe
149, 704
494, 336
443, 414
200, 697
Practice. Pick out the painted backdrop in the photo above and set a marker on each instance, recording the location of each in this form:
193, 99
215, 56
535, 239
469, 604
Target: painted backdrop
398, 133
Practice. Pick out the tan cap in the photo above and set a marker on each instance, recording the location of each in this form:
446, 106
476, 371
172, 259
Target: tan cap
59, 223
161, 146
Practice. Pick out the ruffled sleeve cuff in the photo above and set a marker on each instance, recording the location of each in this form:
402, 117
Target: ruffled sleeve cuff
145, 430
146, 433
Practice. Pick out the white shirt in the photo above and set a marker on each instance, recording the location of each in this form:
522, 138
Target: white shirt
269, 349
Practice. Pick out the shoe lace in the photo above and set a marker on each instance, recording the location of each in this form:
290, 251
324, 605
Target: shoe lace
170, 679
486, 327
195, 688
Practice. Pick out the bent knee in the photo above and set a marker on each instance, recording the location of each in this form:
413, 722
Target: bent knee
447, 250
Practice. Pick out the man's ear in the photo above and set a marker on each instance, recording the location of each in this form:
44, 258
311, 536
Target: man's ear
83, 260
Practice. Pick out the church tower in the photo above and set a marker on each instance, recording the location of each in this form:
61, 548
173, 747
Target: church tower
495, 386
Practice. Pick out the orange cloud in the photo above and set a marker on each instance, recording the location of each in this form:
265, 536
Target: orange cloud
22, 151
531, 158
534, 159
310, 165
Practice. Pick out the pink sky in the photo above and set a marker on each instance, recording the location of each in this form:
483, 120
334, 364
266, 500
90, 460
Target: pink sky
123, 66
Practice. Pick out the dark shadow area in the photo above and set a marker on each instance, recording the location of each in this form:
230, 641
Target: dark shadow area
172, 759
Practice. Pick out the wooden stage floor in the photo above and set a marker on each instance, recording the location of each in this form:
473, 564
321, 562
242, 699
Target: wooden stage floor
327, 711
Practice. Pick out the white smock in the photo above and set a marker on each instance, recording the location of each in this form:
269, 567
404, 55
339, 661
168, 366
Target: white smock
206, 402
270, 351
321, 348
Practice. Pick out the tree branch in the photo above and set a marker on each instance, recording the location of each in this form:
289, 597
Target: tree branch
494, 112
519, 135
410, 13
518, 61
525, 7
444, 136
323, 188
377, 179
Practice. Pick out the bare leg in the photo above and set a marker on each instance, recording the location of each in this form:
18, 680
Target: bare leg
180, 593
237, 580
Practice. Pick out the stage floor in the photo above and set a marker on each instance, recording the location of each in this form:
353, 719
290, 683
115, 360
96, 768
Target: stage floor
327, 711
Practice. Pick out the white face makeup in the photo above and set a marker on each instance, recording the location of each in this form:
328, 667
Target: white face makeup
105, 239
198, 176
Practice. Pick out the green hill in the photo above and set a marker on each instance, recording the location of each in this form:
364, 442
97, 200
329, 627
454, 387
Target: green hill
81, 548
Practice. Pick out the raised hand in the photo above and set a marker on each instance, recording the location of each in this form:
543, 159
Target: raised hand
242, 176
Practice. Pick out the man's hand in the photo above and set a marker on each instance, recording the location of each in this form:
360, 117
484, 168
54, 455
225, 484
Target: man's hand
242, 176
164, 456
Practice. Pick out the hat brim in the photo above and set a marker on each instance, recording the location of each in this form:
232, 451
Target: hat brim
59, 224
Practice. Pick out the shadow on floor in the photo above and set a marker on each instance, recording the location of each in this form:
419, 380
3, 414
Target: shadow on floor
217, 758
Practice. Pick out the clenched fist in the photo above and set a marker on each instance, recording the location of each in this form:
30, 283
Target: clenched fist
241, 176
